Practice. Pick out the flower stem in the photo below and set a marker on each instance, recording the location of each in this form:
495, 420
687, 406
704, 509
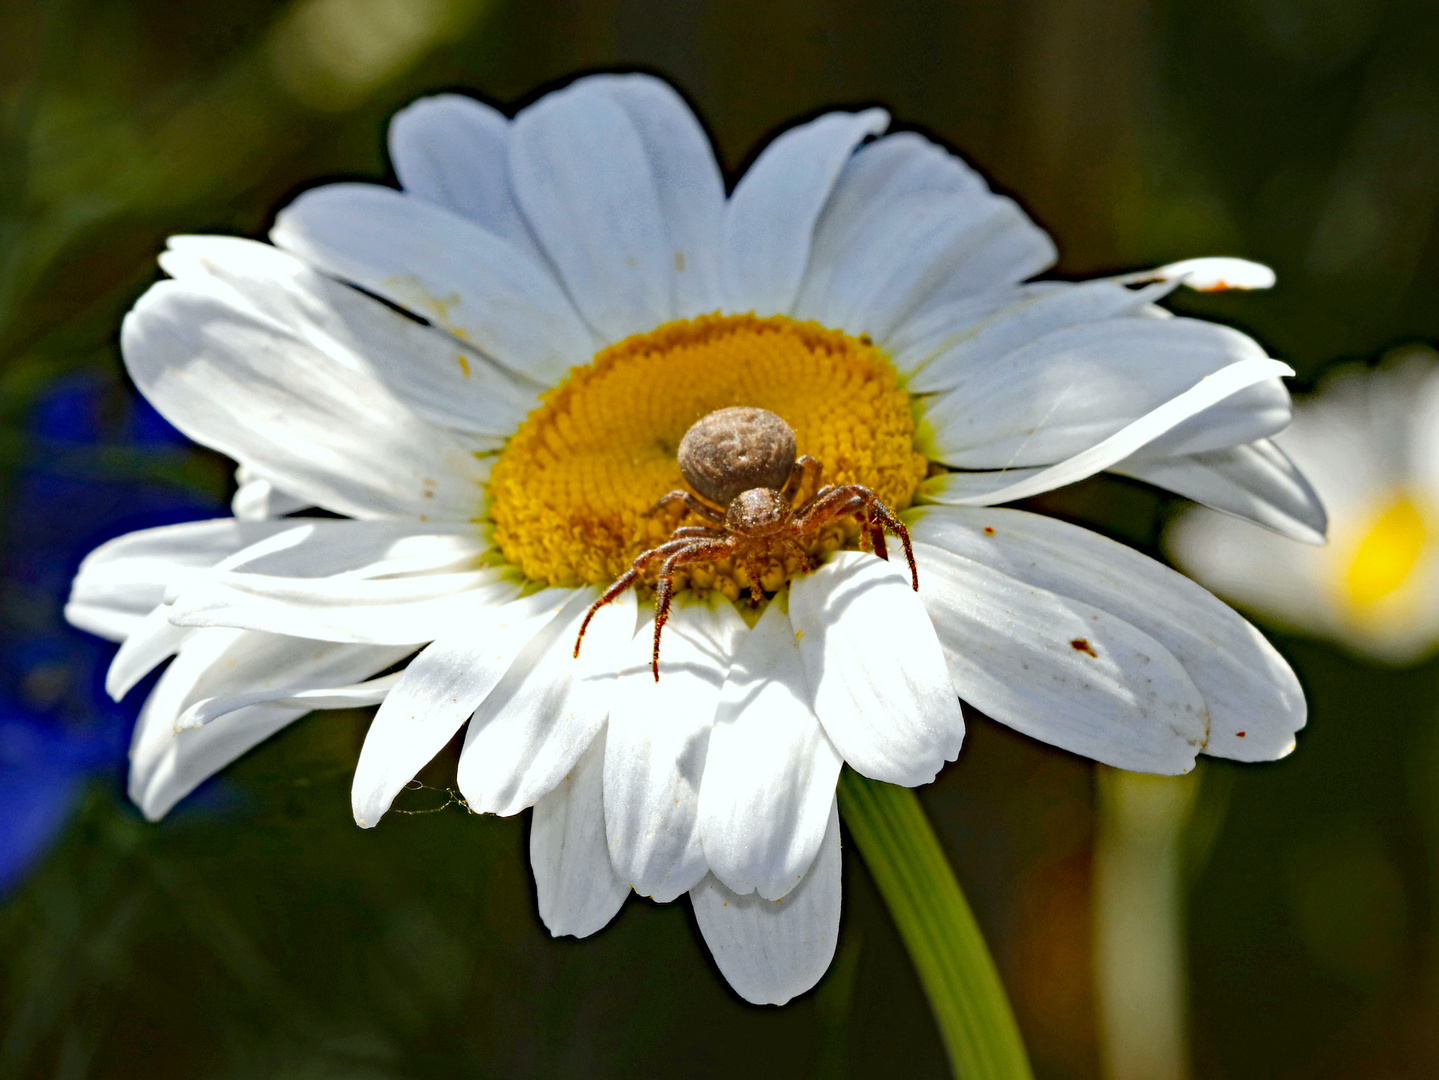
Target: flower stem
1139, 938
904, 858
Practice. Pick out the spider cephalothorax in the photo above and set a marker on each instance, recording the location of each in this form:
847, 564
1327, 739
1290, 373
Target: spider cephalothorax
742, 463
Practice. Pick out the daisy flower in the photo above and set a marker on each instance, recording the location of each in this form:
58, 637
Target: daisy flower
485, 375
1369, 441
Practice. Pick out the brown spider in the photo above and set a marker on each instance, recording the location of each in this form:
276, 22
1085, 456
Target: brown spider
743, 461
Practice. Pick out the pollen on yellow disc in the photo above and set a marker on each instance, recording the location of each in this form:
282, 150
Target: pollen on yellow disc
572, 494
1386, 554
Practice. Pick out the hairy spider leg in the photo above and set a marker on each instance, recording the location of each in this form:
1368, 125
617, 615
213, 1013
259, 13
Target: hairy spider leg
887, 518
625, 580
871, 534
795, 548
876, 531
694, 551
692, 504
752, 568
814, 499
850, 499
805, 468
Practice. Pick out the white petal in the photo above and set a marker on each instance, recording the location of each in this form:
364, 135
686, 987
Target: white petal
470, 282
1211, 390
908, 227
917, 340
353, 550
655, 753
257, 499
122, 580
154, 640
256, 668
166, 764
173, 769
391, 611
1060, 670
577, 888
876, 175
1247, 686
1076, 386
251, 387
766, 234
453, 151
111, 621
922, 244
585, 182
943, 362
1256, 482
875, 669
771, 771
687, 180
769, 950
1215, 273
358, 550
441, 379
439, 690
327, 694
534, 725
1010, 249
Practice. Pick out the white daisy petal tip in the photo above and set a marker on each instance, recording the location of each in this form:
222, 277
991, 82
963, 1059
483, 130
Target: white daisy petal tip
1217, 273
575, 881
771, 951
1230, 694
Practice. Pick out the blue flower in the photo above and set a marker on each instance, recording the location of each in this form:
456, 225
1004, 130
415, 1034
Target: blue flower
90, 475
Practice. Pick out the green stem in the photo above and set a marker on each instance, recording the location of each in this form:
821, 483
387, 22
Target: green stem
904, 858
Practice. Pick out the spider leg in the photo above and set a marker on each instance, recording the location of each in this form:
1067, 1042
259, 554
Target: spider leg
855, 499
795, 548
827, 505
696, 532
823, 502
693, 551
876, 533
814, 499
804, 468
693, 505
625, 580
887, 519
756, 590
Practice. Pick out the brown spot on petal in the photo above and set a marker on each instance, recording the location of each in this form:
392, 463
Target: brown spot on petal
989, 530
1080, 644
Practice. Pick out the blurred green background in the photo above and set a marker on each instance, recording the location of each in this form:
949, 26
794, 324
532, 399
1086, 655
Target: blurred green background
260, 934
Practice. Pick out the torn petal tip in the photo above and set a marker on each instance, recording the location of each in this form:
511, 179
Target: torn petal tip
1218, 274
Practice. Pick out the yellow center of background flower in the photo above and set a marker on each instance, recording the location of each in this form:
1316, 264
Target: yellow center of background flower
573, 492
1386, 554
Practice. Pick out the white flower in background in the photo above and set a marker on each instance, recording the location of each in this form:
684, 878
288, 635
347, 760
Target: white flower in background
1369, 441
579, 291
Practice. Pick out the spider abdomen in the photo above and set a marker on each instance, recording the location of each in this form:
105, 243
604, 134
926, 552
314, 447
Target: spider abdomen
731, 451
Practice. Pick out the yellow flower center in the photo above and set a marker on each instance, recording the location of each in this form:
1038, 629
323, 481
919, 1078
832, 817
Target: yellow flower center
1386, 554
572, 495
